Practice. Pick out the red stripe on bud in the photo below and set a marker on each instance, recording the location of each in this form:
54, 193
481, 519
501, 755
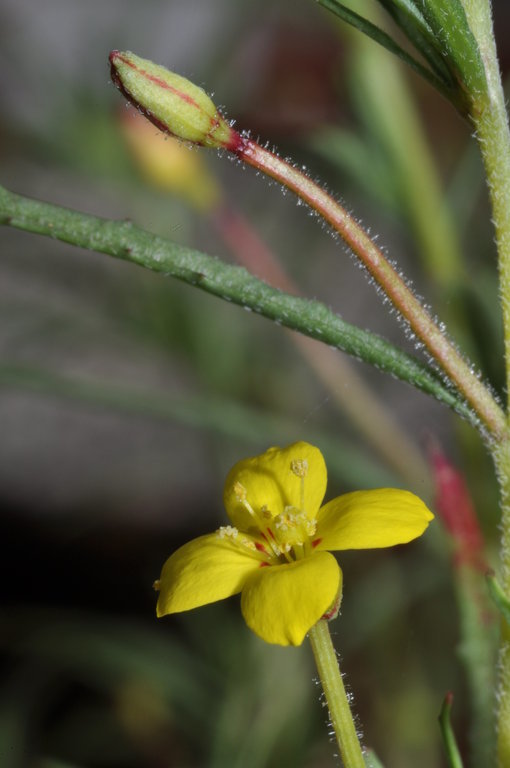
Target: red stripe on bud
172, 103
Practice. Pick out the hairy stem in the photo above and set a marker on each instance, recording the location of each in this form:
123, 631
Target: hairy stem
490, 118
336, 697
387, 278
503, 691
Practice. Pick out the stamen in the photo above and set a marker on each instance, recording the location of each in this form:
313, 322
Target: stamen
281, 523
228, 532
283, 532
271, 541
157, 585
242, 497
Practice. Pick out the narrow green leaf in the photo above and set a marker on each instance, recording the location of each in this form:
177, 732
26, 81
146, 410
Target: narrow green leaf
453, 757
407, 16
448, 21
376, 33
125, 241
371, 759
499, 598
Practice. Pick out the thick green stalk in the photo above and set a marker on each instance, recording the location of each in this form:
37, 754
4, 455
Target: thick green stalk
125, 241
336, 697
490, 118
503, 691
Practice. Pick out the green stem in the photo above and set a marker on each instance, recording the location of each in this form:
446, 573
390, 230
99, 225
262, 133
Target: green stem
503, 690
450, 743
125, 241
490, 118
336, 697
422, 325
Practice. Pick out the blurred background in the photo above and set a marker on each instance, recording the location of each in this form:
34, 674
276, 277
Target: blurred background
126, 397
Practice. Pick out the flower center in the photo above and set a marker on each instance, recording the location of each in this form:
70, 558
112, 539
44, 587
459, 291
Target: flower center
281, 538
293, 526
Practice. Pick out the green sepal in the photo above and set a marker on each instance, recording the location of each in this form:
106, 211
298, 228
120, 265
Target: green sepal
406, 15
453, 757
440, 32
376, 33
448, 21
499, 598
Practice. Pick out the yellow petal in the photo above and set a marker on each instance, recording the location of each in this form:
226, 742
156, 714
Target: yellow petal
281, 603
202, 571
369, 519
269, 481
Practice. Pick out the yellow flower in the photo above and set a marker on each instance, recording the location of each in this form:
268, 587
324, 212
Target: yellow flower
275, 552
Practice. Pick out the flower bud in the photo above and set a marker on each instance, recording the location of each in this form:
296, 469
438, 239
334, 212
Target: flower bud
172, 103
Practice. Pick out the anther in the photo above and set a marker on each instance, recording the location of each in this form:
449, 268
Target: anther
157, 585
227, 532
299, 467
240, 492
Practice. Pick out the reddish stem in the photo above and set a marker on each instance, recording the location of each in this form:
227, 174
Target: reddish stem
420, 322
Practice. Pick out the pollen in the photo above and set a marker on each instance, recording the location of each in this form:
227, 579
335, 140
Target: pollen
240, 492
156, 585
227, 532
292, 528
299, 467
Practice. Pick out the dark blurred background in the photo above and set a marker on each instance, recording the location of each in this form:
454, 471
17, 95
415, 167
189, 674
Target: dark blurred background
126, 397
